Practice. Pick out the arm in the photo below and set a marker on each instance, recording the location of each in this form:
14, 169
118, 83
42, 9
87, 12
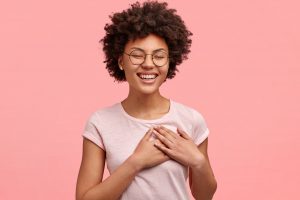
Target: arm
201, 178
89, 184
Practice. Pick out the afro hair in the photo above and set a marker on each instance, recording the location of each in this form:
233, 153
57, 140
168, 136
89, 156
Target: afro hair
138, 21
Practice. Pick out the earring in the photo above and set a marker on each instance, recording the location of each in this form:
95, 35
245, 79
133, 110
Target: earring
121, 68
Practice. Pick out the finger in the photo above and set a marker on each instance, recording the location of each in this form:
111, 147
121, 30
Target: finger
183, 134
164, 149
158, 142
163, 139
166, 133
148, 134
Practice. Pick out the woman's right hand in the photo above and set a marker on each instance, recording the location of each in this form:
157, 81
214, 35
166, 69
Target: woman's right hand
147, 155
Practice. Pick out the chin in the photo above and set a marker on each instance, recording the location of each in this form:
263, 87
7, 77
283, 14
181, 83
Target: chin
147, 89
148, 92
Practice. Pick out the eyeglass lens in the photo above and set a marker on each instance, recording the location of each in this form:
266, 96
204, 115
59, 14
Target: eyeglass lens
138, 57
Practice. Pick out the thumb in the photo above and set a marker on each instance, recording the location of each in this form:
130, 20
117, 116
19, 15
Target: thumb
183, 134
148, 134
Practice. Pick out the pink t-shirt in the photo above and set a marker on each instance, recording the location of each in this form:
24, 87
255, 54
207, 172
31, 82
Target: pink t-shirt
118, 133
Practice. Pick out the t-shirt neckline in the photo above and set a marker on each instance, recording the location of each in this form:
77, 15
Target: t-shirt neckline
147, 120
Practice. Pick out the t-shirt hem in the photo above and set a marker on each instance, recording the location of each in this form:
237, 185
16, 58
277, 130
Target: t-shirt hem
90, 137
203, 137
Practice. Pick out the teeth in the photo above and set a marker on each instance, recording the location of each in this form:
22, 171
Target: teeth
152, 76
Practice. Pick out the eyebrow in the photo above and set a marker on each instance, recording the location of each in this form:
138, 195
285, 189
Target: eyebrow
132, 48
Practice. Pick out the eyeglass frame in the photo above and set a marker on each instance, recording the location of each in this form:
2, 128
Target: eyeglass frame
152, 54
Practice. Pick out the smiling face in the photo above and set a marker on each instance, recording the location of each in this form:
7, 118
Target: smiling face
145, 77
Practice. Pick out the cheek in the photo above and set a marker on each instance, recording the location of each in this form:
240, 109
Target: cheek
164, 71
126, 61
130, 72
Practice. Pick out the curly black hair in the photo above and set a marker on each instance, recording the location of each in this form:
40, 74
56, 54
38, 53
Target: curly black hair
138, 21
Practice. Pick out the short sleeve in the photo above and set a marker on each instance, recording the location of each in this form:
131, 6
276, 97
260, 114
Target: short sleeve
200, 129
91, 131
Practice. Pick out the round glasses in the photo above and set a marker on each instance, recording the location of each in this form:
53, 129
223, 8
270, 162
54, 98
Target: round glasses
138, 57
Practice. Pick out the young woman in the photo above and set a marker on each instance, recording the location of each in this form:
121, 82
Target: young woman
151, 143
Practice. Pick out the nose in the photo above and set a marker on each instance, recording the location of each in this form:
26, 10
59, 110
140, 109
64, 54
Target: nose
148, 61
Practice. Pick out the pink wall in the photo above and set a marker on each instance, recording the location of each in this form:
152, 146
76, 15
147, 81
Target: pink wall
243, 75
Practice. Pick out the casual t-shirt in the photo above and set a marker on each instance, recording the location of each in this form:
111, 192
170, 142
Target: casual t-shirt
118, 133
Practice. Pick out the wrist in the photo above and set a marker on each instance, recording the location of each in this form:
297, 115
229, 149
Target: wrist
134, 163
199, 164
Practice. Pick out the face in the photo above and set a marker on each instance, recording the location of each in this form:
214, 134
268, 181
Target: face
145, 77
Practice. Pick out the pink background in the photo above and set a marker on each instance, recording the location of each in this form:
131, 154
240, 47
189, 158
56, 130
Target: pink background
243, 75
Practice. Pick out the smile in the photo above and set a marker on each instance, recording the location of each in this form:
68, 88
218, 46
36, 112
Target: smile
147, 76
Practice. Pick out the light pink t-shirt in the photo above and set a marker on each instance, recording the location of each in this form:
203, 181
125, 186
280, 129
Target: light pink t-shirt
118, 133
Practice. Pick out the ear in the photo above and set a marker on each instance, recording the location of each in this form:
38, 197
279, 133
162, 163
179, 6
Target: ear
120, 62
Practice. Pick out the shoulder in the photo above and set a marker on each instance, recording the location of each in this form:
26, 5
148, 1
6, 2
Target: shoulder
184, 109
190, 114
104, 114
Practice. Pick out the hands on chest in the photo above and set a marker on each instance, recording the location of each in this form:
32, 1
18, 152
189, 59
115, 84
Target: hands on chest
166, 145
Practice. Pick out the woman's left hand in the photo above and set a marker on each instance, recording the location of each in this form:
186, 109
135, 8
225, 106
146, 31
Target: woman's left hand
179, 147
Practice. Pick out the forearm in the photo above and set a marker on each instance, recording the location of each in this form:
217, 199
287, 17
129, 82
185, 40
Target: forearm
203, 183
113, 187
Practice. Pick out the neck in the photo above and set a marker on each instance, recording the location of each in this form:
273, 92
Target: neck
139, 103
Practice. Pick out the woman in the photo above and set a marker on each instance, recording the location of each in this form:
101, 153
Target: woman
151, 144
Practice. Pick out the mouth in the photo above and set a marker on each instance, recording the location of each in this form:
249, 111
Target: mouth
151, 76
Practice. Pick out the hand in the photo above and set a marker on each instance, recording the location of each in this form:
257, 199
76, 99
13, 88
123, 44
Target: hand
179, 147
146, 154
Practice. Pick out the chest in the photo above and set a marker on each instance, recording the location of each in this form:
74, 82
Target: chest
120, 143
